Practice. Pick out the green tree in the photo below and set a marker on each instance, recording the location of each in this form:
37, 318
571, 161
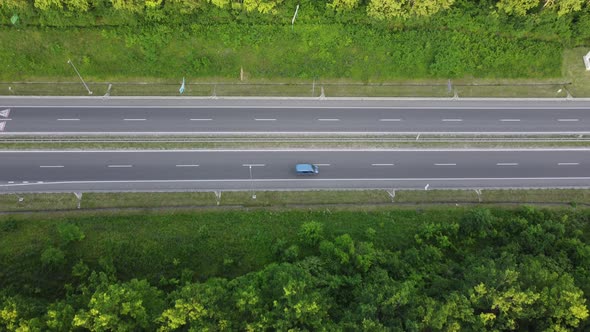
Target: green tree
53, 257
69, 232
198, 307
311, 233
262, 6
122, 307
343, 5
517, 7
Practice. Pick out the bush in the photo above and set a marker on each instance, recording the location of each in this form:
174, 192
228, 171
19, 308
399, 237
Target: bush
69, 233
311, 233
53, 257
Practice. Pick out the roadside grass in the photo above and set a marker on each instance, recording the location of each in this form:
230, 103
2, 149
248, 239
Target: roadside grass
540, 88
338, 199
436, 196
42, 201
160, 245
147, 199
567, 196
512, 89
573, 69
312, 197
268, 60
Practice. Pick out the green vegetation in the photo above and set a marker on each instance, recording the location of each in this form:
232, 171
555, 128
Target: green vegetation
302, 199
223, 40
446, 269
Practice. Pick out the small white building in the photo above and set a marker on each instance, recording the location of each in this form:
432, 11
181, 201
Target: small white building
587, 61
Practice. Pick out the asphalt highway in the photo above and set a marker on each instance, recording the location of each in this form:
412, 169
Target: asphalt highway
170, 116
30, 171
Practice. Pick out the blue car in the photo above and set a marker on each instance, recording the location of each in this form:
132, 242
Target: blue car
306, 169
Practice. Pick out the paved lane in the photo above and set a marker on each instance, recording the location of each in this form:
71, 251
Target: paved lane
300, 117
225, 170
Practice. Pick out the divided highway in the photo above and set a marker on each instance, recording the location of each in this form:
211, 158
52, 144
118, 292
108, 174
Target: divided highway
230, 170
129, 116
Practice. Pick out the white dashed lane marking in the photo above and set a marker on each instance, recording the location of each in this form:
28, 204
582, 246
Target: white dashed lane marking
390, 120
568, 164
201, 119
568, 120
134, 119
328, 119
68, 119
381, 164
265, 119
187, 165
507, 164
120, 166
452, 120
445, 164
510, 120
51, 166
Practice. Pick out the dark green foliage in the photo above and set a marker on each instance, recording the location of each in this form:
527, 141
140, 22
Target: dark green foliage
53, 258
69, 233
469, 270
311, 233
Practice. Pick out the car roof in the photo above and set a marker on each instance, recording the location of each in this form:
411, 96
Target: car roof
304, 167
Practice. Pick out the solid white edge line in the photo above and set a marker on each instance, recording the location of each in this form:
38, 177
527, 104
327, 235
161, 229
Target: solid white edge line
177, 133
301, 179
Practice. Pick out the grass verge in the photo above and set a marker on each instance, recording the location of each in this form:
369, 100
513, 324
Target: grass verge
312, 198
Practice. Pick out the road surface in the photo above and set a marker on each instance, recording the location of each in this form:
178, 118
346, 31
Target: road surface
29, 171
80, 116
